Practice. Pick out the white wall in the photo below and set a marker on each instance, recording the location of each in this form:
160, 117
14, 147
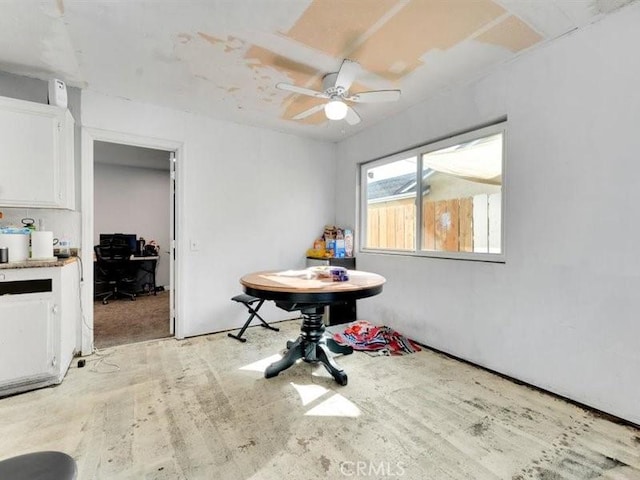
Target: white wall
562, 312
63, 223
252, 199
134, 200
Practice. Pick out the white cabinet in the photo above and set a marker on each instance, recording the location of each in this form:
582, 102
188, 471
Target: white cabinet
26, 322
36, 155
39, 314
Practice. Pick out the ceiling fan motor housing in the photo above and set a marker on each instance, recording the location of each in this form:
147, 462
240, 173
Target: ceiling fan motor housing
329, 85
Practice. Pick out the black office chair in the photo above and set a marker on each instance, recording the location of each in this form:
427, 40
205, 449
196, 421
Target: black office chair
39, 466
114, 271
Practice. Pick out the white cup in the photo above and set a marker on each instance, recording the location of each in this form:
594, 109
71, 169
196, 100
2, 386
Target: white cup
64, 248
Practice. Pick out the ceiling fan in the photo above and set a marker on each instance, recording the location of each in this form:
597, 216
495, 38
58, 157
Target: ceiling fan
336, 89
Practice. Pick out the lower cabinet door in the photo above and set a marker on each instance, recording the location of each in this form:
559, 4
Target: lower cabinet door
26, 341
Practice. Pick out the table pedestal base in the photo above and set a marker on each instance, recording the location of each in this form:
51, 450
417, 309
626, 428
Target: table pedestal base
312, 346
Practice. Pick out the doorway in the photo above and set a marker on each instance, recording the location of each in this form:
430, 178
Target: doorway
94, 143
133, 204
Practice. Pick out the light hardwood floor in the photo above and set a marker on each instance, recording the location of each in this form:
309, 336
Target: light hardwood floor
201, 409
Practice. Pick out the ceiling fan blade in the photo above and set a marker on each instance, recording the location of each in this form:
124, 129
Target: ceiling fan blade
347, 74
375, 96
352, 117
301, 90
309, 112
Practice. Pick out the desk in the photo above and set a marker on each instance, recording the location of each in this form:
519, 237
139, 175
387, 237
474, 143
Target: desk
291, 291
146, 277
146, 272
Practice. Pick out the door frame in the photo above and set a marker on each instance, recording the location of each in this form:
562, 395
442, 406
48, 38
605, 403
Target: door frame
88, 137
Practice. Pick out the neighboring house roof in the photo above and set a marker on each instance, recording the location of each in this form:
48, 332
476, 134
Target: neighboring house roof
400, 186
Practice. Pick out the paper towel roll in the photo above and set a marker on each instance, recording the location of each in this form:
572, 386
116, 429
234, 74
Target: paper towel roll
41, 245
18, 245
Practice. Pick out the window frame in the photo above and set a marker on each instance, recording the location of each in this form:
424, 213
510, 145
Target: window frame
418, 152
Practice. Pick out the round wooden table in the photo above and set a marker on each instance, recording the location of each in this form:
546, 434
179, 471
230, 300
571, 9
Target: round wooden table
308, 293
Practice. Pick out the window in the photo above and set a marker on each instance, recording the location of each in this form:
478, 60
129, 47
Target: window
459, 184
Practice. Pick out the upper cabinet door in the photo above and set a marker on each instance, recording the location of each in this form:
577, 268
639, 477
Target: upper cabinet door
36, 155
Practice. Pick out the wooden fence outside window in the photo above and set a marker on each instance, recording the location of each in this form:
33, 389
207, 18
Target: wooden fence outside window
447, 225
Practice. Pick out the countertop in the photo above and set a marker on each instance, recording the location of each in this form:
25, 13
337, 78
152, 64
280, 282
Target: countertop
54, 262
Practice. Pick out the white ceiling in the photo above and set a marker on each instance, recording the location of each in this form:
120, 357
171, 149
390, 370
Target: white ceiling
130, 156
223, 58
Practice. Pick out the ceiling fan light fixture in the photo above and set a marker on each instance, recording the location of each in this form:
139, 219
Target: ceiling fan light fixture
335, 110
335, 90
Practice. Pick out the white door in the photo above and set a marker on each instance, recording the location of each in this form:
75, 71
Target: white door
172, 242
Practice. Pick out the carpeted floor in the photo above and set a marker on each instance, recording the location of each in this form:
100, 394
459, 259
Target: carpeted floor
122, 321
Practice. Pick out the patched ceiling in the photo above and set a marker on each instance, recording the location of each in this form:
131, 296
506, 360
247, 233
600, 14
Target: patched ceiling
223, 58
